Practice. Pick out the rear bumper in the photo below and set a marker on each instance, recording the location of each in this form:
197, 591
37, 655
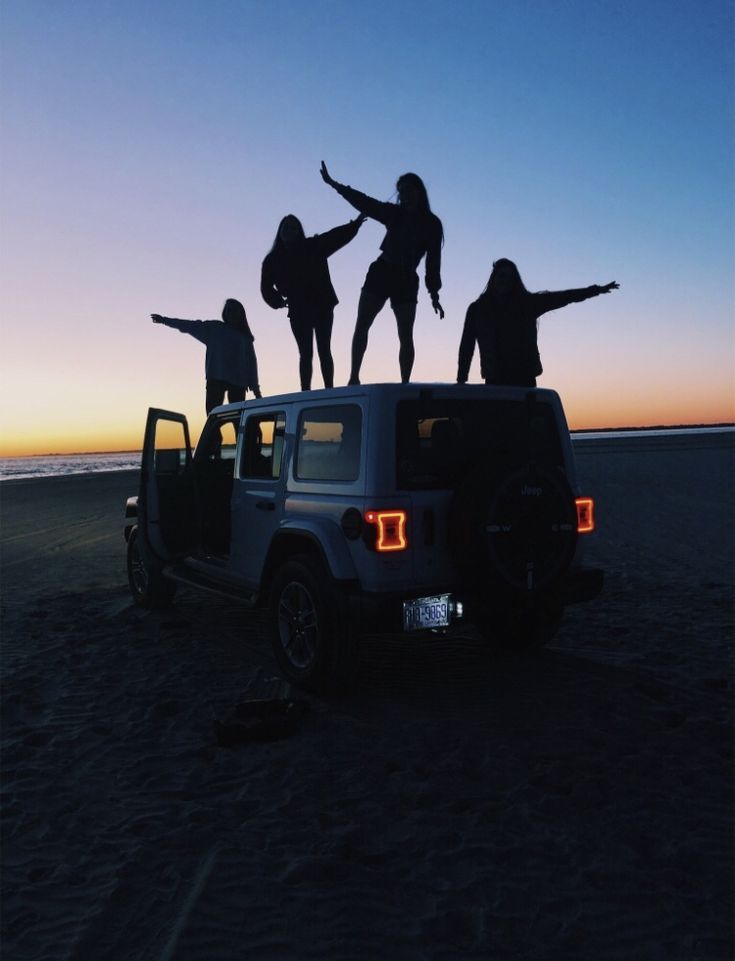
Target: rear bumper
383, 613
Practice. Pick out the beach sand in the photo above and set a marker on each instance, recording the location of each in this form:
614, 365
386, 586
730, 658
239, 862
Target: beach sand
576, 804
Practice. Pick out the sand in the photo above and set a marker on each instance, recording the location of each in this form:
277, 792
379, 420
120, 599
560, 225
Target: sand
572, 805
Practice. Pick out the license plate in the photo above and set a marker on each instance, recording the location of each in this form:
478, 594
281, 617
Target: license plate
426, 612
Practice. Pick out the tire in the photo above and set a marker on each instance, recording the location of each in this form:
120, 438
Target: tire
148, 587
513, 532
309, 631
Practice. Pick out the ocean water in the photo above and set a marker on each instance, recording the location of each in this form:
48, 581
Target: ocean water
652, 433
59, 465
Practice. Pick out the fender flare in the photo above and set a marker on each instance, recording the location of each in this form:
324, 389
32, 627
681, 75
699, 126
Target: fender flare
324, 539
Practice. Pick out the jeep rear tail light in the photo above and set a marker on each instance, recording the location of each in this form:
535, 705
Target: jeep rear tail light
585, 515
389, 528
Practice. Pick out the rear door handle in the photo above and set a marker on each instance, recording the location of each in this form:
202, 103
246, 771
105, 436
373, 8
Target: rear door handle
265, 505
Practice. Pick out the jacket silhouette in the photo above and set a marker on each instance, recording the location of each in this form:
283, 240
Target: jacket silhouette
298, 277
409, 235
503, 322
230, 364
295, 274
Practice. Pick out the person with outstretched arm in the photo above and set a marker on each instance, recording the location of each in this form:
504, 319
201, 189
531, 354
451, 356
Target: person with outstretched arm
295, 274
503, 322
412, 232
230, 364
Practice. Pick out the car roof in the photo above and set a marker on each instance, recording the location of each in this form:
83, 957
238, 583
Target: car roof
394, 390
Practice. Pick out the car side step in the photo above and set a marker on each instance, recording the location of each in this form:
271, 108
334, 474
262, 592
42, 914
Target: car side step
203, 582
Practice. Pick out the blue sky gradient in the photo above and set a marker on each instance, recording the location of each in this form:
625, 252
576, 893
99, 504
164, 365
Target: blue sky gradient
149, 151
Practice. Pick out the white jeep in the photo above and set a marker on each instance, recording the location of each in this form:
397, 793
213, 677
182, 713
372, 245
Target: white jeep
378, 508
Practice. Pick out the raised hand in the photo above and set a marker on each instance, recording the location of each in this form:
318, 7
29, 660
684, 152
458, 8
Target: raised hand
325, 175
156, 318
606, 288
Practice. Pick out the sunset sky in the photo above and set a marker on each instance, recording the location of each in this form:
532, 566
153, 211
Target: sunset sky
149, 150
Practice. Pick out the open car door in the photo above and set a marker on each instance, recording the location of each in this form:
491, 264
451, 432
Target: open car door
168, 501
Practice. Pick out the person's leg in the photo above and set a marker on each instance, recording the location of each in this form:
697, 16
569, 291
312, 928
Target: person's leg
368, 309
323, 332
303, 331
235, 393
215, 394
405, 316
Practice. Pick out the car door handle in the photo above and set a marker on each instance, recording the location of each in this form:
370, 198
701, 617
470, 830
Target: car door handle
265, 505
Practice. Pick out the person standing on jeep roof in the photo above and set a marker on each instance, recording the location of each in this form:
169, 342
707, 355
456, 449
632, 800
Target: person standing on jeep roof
503, 322
412, 231
295, 274
230, 364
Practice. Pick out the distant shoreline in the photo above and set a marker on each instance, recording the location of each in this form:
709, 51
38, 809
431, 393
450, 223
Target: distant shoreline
607, 430
73, 453
619, 440
576, 430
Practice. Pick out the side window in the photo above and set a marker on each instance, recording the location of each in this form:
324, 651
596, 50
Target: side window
169, 447
218, 442
329, 443
262, 454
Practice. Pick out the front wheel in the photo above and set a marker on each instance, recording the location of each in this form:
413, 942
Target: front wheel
310, 639
148, 586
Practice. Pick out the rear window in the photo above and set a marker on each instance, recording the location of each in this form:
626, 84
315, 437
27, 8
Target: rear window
329, 443
439, 441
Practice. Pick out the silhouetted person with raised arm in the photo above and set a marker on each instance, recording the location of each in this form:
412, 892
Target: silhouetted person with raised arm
503, 322
412, 231
295, 274
230, 364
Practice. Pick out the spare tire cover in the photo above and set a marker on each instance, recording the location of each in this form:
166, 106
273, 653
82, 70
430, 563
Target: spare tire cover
517, 527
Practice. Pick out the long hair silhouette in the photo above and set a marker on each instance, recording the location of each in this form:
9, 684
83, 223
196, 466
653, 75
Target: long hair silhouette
413, 180
508, 269
503, 322
278, 244
233, 314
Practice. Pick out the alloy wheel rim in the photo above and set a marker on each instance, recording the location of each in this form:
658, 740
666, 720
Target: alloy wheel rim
298, 626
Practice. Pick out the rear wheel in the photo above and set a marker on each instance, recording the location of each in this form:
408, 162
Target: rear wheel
310, 636
148, 586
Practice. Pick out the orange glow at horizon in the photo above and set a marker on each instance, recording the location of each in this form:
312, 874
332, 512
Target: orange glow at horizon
649, 406
22, 440
93, 439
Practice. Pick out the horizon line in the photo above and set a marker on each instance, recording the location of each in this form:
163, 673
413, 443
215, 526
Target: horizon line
575, 430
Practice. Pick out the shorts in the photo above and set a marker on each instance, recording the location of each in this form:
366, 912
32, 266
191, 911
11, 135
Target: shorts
386, 280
